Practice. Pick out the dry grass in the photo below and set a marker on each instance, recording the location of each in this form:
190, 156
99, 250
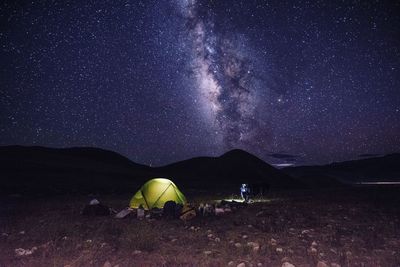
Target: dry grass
348, 229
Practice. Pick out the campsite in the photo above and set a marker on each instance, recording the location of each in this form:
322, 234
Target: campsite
199, 133
322, 229
313, 223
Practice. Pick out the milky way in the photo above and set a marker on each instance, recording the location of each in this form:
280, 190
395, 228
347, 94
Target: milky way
293, 82
224, 76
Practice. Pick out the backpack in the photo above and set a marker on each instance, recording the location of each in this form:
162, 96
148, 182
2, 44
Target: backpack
169, 209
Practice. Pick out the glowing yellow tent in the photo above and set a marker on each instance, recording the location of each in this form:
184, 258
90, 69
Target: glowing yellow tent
154, 194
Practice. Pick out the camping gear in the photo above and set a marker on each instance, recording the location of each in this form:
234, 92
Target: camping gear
227, 209
169, 209
233, 204
156, 213
95, 208
123, 213
140, 212
208, 210
219, 211
94, 202
172, 210
155, 193
187, 213
200, 209
178, 210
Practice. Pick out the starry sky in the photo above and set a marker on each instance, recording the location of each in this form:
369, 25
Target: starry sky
293, 82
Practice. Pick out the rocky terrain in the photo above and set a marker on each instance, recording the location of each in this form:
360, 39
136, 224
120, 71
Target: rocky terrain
308, 228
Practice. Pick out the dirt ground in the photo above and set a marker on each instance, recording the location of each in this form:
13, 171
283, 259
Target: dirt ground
335, 228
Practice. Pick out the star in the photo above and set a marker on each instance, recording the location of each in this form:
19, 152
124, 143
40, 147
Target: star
159, 82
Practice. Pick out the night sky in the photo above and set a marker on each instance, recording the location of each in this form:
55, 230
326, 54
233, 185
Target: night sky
293, 82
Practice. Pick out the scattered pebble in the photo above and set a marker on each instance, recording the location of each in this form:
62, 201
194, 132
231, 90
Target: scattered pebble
238, 245
22, 232
287, 264
245, 236
314, 244
273, 242
279, 250
208, 252
231, 263
260, 214
334, 264
254, 245
137, 252
46, 245
24, 252
242, 264
227, 209
322, 264
107, 264
312, 250
217, 239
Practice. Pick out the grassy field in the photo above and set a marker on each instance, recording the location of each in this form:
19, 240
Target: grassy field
347, 228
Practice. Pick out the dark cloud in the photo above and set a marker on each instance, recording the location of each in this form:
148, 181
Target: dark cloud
283, 156
369, 155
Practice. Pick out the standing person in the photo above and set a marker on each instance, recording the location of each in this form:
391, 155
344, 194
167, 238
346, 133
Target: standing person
245, 192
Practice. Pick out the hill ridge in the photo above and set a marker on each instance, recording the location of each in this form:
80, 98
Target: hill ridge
92, 168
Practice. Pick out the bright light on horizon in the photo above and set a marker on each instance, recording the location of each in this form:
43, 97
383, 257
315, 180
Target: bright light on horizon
281, 165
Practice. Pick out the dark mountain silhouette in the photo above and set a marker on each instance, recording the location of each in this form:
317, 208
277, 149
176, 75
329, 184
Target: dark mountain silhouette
55, 155
52, 170
85, 169
44, 169
230, 169
377, 169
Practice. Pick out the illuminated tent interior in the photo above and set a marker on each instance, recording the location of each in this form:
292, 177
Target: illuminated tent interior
155, 192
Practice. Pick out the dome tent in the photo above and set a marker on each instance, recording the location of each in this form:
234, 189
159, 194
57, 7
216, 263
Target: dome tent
155, 192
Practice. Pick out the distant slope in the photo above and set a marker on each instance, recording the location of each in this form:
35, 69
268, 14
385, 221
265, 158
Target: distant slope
230, 169
385, 168
40, 169
66, 169
58, 155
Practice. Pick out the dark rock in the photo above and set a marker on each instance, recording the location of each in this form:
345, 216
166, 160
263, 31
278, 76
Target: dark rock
96, 210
